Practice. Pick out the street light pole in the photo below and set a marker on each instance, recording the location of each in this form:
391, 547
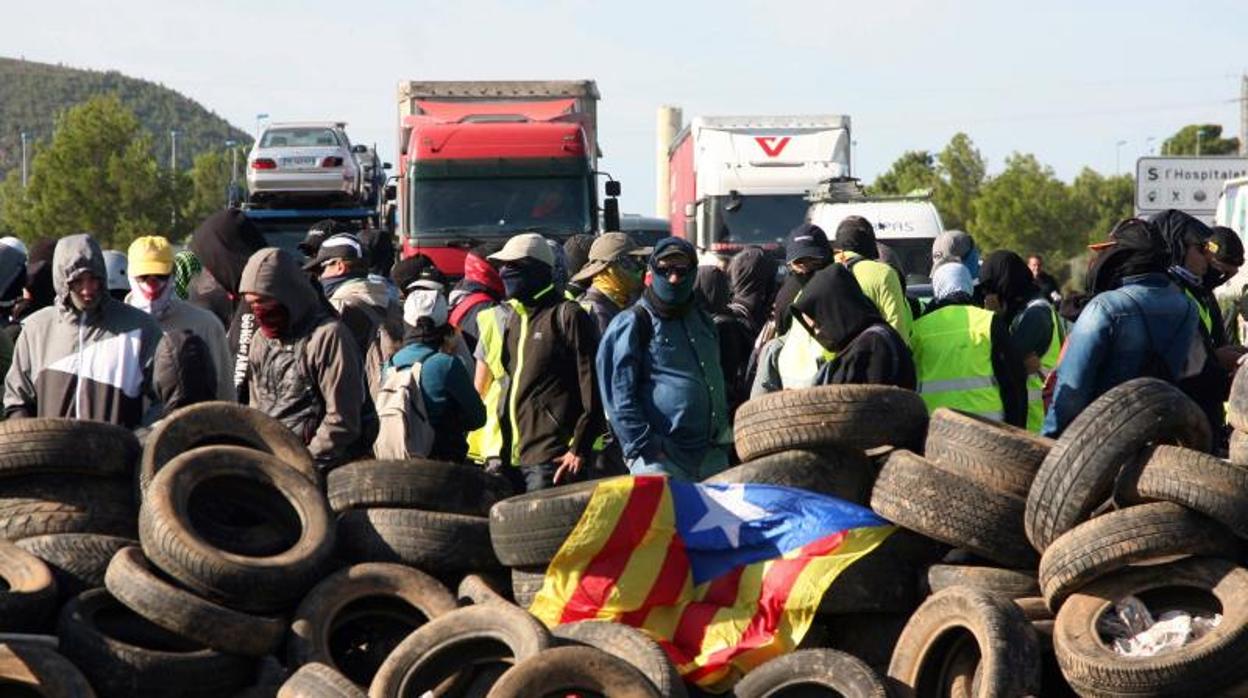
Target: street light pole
23, 159
173, 150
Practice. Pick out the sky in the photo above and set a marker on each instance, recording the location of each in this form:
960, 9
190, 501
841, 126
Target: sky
1064, 80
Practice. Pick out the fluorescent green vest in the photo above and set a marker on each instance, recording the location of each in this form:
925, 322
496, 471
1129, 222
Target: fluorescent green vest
1035, 382
800, 358
487, 442
1206, 319
953, 354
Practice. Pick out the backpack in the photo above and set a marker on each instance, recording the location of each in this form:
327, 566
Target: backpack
404, 430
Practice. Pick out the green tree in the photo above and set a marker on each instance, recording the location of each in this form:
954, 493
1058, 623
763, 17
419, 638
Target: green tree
1211, 141
210, 183
1027, 209
1100, 202
962, 172
96, 175
914, 171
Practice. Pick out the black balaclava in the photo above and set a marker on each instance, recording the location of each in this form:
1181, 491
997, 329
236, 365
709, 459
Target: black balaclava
840, 310
1227, 249
1138, 248
672, 300
532, 282
752, 278
856, 234
1006, 274
711, 286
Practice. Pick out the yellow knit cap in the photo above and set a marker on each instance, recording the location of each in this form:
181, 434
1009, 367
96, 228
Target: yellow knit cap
151, 254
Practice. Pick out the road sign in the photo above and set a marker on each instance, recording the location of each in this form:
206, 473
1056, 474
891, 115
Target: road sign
1190, 184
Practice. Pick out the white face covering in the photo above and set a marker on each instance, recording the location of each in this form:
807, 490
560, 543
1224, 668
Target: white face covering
151, 295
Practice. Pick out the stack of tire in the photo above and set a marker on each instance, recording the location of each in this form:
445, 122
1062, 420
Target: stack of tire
421, 513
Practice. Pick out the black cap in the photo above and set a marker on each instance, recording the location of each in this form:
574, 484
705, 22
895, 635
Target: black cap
856, 234
414, 269
807, 241
339, 246
320, 230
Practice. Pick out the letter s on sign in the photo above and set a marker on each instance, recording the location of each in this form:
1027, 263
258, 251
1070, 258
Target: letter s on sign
1152, 174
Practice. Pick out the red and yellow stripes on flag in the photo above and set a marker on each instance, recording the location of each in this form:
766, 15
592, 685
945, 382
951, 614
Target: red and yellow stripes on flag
625, 562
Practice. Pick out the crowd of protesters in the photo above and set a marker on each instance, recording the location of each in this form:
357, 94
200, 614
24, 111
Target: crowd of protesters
551, 363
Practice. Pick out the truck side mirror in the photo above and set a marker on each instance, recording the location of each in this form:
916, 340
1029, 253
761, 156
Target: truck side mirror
611, 214
613, 189
390, 192
386, 165
358, 149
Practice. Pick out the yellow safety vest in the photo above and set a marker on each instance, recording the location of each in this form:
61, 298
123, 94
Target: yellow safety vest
1035, 381
800, 358
953, 354
1206, 319
487, 442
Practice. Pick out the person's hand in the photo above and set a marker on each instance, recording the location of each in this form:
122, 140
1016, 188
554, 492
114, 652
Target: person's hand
568, 463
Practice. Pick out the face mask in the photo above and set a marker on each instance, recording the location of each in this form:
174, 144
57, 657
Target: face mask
526, 283
151, 295
674, 293
1214, 278
272, 319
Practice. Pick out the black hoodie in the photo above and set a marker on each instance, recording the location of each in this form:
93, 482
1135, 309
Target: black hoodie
752, 279
868, 350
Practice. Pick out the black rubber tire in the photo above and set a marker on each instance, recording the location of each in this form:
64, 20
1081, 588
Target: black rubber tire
912, 492
222, 424
1078, 475
1107, 543
41, 671
37, 505
571, 671
1212, 663
820, 671
527, 530
885, 580
1008, 584
403, 597
131, 580
1238, 453
416, 484
446, 645
475, 588
629, 645
870, 637
849, 416
427, 540
994, 454
1198, 481
318, 681
28, 598
128, 656
843, 473
57, 445
525, 583
252, 584
77, 560
1008, 646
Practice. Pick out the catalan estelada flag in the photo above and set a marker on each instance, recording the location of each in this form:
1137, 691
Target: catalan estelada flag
725, 577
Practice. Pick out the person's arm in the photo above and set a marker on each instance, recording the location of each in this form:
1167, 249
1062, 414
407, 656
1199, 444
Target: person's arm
482, 379
19, 384
620, 366
1086, 349
459, 390
1031, 334
223, 362
583, 338
333, 361
1007, 365
891, 301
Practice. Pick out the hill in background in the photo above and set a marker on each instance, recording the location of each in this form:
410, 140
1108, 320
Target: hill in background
32, 95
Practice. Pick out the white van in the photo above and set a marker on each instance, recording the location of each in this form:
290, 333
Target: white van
906, 225
1233, 213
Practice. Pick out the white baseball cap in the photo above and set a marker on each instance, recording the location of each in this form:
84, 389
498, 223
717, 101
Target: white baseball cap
526, 246
425, 303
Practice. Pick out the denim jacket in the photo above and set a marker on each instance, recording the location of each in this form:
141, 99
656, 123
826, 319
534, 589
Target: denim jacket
1110, 343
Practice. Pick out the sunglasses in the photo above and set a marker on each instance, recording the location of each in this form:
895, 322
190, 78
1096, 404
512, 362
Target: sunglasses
670, 269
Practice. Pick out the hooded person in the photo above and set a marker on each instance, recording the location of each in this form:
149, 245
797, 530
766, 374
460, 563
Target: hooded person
547, 352
955, 247
660, 376
151, 268
1009, 289
806, 251
613, 277
856, 248
576, 251
480, 288
12, 281
752, 282
861, 347
87, 356
963, 354
184, 371
305, 367
39, 292
453, 406
223, 243
1142, 324
1227, 258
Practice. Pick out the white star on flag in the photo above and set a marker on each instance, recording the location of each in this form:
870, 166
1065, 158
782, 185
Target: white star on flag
727, 510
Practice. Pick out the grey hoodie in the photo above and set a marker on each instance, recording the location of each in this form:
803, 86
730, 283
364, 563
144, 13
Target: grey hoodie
94, 364
311, 378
